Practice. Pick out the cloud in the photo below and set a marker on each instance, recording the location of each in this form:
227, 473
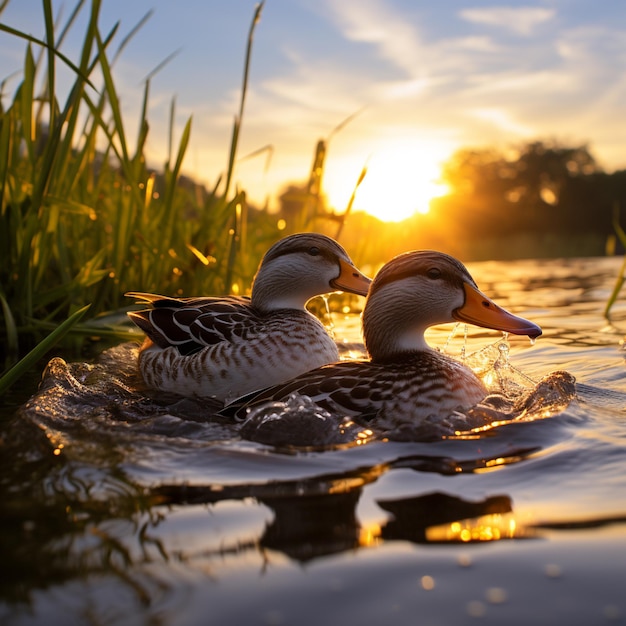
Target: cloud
461, 85
520, 20
374, 22
553, 82
502, 120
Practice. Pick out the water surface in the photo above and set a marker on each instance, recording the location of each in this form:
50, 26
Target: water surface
125, 507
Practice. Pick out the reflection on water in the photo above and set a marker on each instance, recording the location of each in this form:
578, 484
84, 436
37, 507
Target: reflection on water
109, 491
58, 530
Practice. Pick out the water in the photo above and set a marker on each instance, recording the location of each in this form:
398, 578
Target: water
122, 507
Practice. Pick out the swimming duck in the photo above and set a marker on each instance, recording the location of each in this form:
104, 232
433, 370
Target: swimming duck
226, 347
404, 381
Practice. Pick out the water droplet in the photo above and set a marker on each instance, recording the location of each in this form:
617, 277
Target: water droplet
496, 595
465, 333
612, 612
553, 571
464, 560
273, 618
330, 325
476, 609
427, 582
449, 339
533, 340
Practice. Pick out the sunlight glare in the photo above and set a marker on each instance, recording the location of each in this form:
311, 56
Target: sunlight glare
402, 179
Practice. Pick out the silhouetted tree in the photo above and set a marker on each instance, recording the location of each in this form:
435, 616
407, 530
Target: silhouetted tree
543, 190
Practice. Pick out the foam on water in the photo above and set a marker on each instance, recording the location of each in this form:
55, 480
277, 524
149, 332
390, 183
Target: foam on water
107, 397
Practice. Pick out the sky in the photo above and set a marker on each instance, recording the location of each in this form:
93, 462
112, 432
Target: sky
417, 79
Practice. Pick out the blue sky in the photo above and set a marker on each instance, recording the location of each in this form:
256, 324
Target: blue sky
426, 78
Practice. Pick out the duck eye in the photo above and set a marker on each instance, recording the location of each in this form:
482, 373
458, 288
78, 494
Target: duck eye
434, 273
314, 251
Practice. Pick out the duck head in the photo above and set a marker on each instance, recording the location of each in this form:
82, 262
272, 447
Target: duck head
302, 266
419, 289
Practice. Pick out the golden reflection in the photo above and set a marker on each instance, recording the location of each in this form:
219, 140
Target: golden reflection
491, 464
490, 379
351, 483
370, 535
364, 437
361, 437
345, 485
352, 355
494, 462
493, 527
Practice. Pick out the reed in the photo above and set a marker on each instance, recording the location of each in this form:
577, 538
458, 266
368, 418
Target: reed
621, 276
83, 218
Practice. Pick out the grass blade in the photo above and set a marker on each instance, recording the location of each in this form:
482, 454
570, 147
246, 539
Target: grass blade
28, 361
74, 68
27, 95
11, 329
47, 6
621, 277
244, 89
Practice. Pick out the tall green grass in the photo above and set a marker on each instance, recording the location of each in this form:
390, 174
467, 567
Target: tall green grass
83, 217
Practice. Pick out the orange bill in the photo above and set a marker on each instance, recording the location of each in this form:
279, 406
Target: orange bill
479, 310
351, 280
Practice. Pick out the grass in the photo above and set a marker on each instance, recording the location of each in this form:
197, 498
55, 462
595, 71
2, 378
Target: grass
621, 276
83, 218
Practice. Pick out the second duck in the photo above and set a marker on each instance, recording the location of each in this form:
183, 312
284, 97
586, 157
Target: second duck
226, 347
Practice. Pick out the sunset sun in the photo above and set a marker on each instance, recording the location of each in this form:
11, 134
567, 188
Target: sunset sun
402, 178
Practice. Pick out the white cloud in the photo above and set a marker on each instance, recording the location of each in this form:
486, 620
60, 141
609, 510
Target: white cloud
462, 86
374, 22
523, 83
502, 120
520, 20
473, 44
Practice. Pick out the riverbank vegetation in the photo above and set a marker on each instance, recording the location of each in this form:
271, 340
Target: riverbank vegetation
84, 218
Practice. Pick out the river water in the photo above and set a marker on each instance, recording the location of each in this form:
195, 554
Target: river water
125, 507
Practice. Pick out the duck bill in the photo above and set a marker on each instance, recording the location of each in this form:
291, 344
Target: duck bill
479, 310
350, 279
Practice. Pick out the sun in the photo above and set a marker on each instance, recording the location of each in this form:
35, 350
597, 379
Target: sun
402, 178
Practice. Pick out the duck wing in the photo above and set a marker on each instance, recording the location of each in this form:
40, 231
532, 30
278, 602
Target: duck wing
346, 388
190, 324
407, 390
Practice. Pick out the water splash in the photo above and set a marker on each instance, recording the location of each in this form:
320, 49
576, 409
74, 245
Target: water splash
97, 403
463, 350
549, 397
464, 347
330, 323
493, 366
446, 345
104, 402
298, 421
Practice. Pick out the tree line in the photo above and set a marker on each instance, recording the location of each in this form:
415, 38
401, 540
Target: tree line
541, 199
555, 198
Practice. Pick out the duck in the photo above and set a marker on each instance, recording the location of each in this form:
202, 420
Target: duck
403, 382
224, 347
